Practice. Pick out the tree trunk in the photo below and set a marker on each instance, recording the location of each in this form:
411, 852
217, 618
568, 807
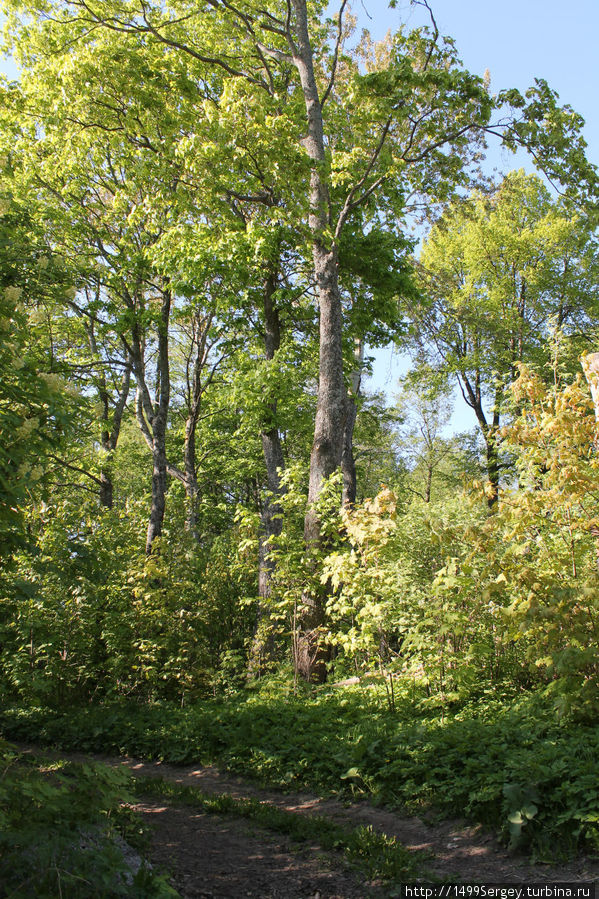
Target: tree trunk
110, 430
270, 524
158, 425
492, 455
201, 331
158, 481
106, 489
110, 437
325, 458
348, 462
490, 432
191, 476
429, 481
492, 444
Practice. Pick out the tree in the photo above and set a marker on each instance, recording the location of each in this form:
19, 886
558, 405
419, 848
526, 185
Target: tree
497, 270
35, 410
426, 409
339, 142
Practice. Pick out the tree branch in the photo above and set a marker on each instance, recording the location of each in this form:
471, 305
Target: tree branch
76, 468
350, 203
338, 43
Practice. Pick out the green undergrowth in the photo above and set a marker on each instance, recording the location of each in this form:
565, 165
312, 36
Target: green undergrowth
65, 831
506, 762
376, 855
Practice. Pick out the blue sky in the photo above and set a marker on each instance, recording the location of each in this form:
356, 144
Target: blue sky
517, 41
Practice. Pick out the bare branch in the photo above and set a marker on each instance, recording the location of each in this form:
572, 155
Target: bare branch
435, 37
76, 468
274, 53
338, 43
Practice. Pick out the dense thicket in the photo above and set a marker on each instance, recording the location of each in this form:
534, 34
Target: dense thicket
204, 220
191, 286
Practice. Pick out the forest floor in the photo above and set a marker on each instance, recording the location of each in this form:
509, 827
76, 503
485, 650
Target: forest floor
223, 857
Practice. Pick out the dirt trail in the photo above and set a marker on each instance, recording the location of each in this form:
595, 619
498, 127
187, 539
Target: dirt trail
215, 857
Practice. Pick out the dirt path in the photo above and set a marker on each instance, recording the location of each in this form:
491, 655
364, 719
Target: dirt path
225, 858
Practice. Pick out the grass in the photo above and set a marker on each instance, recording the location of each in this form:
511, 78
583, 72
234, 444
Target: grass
506, 762
377, 856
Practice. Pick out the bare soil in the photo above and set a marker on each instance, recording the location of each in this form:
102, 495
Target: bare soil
226, 858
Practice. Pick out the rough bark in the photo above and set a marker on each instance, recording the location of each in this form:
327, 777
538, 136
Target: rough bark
325, 458
106, 488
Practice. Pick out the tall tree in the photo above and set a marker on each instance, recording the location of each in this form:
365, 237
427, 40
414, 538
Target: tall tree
417, 115
498, 271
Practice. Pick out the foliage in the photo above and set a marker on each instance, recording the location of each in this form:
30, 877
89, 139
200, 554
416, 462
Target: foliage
62, 832
92, 615
346, 741
542, 567
173, 332
34, 400
396, 606
500, 269
296, 579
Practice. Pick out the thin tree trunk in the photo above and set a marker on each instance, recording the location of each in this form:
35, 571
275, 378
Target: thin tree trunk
492, 442
429, 481
490, 433
201, 330
158, 425
110, 430
191, 477
270, 525
492, 456
325, 458
348, 462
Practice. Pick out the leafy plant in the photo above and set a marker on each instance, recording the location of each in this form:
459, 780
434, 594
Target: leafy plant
61, 832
